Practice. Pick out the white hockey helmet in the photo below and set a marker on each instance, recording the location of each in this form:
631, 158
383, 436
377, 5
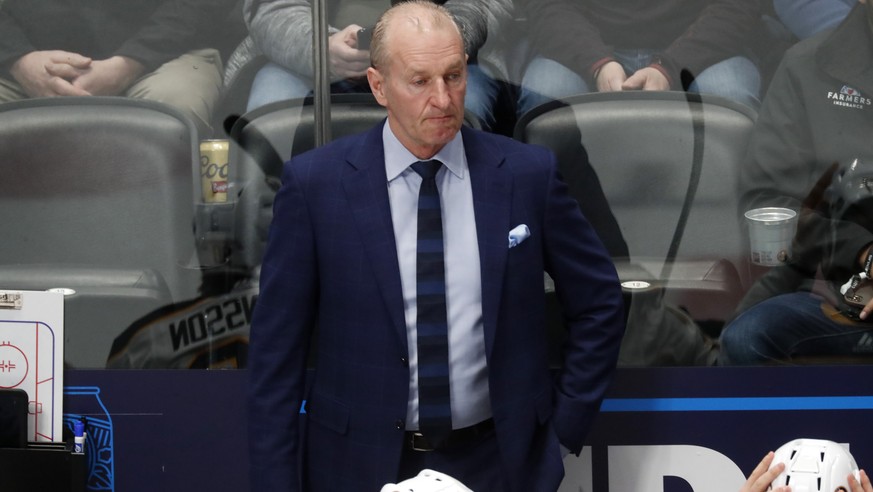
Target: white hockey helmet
814, 465
427, 481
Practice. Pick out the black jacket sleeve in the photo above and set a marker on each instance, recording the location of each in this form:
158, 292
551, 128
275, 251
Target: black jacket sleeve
13, 41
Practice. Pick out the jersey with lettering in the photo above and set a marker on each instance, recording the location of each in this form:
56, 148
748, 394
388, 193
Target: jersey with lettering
205, 333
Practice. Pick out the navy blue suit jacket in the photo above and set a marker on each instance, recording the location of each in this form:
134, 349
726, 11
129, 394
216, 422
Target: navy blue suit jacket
331, 262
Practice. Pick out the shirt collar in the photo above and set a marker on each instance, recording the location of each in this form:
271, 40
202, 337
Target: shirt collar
398, 158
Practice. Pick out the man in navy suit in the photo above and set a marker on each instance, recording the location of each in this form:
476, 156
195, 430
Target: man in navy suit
341, 262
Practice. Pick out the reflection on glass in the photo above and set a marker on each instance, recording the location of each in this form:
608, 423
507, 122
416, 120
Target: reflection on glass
810, 153
667, 195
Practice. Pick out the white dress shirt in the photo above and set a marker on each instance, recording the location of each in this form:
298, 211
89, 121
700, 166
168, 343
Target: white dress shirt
468, 370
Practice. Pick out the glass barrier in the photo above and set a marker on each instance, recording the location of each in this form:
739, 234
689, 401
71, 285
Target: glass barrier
716, 150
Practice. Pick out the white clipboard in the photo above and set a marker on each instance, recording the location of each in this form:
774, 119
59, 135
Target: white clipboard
32, 357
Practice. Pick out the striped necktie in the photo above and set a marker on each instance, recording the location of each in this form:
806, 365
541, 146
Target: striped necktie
434, 403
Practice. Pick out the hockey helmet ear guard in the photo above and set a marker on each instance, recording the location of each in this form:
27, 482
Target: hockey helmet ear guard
814, 465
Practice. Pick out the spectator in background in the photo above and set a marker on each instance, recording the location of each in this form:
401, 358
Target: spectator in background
581, 46
146, 49
282, 30
817, 115
804, 18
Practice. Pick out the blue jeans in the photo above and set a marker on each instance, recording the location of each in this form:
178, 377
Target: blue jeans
806, 18
275, 83
792, 325
544, 79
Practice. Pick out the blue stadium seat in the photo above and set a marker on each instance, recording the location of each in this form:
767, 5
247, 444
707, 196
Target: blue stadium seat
668, 163
98, 195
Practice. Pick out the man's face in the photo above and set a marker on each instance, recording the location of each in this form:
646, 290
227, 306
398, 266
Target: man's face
422, 87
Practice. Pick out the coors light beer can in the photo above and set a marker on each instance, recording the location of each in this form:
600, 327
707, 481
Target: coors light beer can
213, 170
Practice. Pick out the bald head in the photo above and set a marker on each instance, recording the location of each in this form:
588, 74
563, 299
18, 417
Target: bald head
413, 15
419, 74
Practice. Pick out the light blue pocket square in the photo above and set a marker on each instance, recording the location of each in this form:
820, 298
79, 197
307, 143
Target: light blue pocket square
518, 234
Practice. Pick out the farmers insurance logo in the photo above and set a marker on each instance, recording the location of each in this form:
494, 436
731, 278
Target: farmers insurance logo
849, 97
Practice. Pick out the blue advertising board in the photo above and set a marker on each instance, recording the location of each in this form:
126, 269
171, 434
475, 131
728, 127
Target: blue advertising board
659, 430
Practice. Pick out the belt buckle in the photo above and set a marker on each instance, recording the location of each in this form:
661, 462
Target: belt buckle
419, 443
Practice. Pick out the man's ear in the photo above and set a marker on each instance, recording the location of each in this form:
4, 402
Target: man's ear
377, 85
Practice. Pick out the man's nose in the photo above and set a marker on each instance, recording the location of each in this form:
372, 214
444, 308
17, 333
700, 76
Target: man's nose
440, 95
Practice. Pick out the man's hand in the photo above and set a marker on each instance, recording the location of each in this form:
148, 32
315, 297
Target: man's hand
346, 60
863, 486
862, 260
865, 313
869, 307
109, 77
610, 77
647, 79
762, 476
50, 73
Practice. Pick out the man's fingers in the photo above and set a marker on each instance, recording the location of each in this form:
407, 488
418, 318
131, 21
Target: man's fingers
63, 70
61, 87
72, 59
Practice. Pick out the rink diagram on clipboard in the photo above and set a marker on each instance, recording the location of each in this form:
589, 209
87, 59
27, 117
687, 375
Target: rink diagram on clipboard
31, 359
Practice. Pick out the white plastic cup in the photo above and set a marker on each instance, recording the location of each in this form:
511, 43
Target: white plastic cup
771, 230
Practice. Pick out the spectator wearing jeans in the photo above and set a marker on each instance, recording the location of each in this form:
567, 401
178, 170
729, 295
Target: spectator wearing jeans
282, 30
815, 119
582, 46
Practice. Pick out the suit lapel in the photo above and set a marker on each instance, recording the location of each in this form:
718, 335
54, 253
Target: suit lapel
492, 204
367, 192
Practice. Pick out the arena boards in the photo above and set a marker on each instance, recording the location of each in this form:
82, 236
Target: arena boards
660, 429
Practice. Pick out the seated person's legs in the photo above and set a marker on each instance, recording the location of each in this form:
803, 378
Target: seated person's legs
10, 90
633, 60
274, 83
786, 326
736, 78
545, 80
482, 92
190, 83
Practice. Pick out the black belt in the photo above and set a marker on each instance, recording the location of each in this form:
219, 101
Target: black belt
415, 441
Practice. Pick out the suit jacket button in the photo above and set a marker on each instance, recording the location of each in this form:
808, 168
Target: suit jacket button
404, 361
399, 424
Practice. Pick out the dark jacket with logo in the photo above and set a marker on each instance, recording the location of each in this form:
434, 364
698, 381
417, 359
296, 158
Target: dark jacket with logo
818, 111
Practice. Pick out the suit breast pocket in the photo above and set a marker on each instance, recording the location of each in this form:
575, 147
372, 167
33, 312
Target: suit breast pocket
524, 261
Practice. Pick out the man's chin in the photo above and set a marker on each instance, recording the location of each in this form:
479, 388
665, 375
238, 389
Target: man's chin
443, 137
445, 126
